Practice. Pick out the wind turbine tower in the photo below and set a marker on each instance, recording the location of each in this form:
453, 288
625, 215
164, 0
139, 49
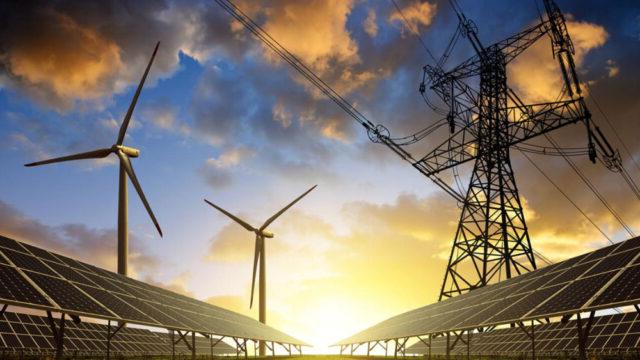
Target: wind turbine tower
124, 153
259, 256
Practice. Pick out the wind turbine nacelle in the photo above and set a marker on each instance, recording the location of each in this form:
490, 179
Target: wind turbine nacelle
131, 152
267, 234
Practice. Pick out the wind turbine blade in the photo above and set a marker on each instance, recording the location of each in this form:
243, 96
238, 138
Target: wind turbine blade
124, 160
233, 217
127, 117
95, 154
255, 267
275, 216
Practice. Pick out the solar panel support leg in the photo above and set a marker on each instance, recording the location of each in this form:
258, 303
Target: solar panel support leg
193, 345
530, 335
395, 349
110, 336
468, 344
583, 334
173, 345
58, 334
448, 346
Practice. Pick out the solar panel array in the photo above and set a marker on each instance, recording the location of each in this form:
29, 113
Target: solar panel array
604, 278
30, 334
35, 278
612, 334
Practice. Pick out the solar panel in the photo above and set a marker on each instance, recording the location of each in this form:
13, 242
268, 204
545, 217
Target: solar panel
624, 288
610, 334
36, 278
600, 279
29, 334
14, 287
67, 296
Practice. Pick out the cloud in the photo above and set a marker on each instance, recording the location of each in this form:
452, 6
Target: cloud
612, 68
323, 26
230, 302
415, 14
94, 246
230, 158
161, 114
536, 74
218, 171
62, 53
178, 284
64, 61
370, 25
233, 243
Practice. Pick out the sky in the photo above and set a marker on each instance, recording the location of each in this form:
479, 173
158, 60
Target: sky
222, 118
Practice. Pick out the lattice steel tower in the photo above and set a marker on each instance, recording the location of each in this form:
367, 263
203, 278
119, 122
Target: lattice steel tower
492, 241
485, 121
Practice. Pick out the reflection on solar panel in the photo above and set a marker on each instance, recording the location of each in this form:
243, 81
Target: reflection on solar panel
30, 334
602, 279
35, 278
612, 334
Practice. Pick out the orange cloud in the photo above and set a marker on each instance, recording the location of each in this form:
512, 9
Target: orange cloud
322, 25
179, 284
414, 15
370, 25
536, 74
66, 61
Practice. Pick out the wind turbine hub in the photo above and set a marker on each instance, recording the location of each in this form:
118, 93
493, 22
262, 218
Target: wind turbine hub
267, 234
131, 152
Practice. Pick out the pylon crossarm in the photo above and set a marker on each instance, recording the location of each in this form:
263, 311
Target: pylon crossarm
3, 309
422, 167
543, 118
511, 47
522, 124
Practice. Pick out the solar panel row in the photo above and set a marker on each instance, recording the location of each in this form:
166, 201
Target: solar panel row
30, 334
36, 278
612, 334
605, 278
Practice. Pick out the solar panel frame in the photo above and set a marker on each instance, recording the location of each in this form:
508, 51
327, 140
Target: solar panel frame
567, 276
609, 334
90, 339
40, 272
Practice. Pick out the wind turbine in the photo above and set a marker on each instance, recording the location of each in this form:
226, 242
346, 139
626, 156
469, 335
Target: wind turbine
123, 153
261, 234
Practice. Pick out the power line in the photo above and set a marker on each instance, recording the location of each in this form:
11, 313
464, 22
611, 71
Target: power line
566, 196
615, 132
439, 64
415, 31
592, 187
